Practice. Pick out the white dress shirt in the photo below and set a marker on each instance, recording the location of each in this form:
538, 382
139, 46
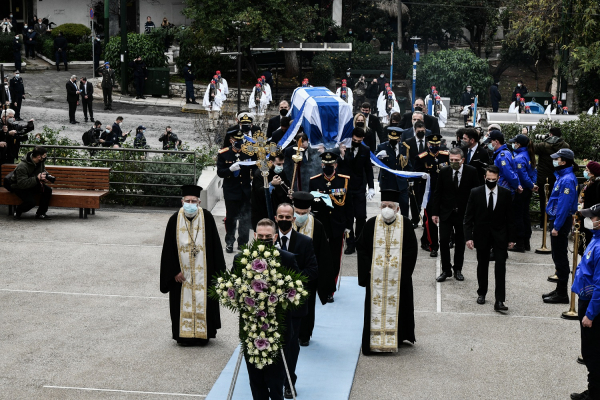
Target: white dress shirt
288, 236
460, 171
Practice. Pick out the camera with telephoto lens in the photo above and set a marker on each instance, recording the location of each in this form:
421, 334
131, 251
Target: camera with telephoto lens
50, 178
541, 137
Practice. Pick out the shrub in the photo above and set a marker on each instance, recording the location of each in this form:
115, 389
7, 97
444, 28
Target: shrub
75, 33
204, 61
450, 71
149, 47
6, 48
323, 71
80, 52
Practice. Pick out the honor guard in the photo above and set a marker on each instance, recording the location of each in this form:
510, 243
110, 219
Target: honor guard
237, 179
431, 161
504, 160
329, 206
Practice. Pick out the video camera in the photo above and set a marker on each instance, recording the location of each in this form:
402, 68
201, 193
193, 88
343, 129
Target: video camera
542, 137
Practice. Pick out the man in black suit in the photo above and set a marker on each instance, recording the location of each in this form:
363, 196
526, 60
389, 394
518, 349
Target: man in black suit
17, 94
302, 248
475, 155
72, 98
267, 383
431, 123
281, 131
372, 122
489, 224
394, 154
275, 122
87, 95
308, 166
449, 201
278, 185
356, 163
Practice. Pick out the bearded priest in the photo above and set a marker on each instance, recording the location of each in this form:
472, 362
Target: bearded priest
192, 254
387, 253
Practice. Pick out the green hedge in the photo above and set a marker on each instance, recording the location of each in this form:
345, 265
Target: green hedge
75, 52
6, 48
75, 33
148, 46
323, 71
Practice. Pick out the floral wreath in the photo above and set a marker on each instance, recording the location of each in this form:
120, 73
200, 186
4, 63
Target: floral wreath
261, 291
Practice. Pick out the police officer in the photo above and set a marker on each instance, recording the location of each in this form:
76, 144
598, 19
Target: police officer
188, 75
329, 207
237, 189
17, 52
585, 284
562, 204
244, 125
504, 160
356, 163
431, 161
97, 54
395, 155
17, 89
140, 74
108, 81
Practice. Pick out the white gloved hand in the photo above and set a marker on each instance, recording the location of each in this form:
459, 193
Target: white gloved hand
382, 154
371, 194
235, 167
424, 176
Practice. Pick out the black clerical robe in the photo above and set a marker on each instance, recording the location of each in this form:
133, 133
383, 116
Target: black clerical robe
279, 195
170, 267
406, 317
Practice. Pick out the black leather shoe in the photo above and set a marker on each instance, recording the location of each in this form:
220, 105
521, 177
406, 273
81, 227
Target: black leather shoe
195, 102
330, 298
425, 247
499, 306
76, 122
349, 249
580, 396
459, 276
229, 248
42, 216
443, 277
92, 120
527, 246
553, 278
17, 216
481, 300
433, 253
557, 298
303, 342
552, 293
517, 249
288, 393
85, 120
492, 256
580, 360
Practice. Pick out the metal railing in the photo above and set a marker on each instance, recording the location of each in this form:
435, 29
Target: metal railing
125, 167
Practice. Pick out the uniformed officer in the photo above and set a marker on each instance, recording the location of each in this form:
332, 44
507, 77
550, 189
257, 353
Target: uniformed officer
236, 190
562, 204
140, 75
431, 161
394, 154
329, 207
245, 120
504, 160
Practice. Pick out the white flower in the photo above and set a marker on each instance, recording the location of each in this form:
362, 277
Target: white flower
270, 361
249, 274
278, 265
245, 316
272, 264
253, 327
248, 267
229, 284
296, 302
299, 283
250, 345
252, 291
238, 281
251, 360
261, 247
246, 252
264, 353
273, 272
275, 347
280, 282
262, 334
219, 291
279, 291
288, 278
267, 254
258, 276
276, 253
297, 297
222, 286
270, 340
291, 284
255, 351
304, 293
276, 335
244, 261
254, 254
261, 296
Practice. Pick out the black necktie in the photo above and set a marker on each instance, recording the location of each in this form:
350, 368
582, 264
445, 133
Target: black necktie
469, 155
420, 146
491, 204
284, 243
456, 179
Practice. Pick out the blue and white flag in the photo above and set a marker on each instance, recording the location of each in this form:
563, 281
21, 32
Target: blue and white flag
475, 113
300, 96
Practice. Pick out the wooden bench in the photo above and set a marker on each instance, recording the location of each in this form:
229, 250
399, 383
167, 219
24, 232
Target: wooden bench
78, 187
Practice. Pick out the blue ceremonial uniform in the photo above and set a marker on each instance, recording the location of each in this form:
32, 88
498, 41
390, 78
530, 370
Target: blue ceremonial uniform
527, 177
526, 173
504, 160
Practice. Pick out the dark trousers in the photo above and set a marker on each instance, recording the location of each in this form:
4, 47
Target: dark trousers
29, 198
590, 350
17, 108
107, 94
139, 85
237, 210
72, 109
430, 231
61, 54
267, 383
18, 61
418, 188
495, 107
517, 207
30, 50
483, 266
560, 250
356, 208
541, 182
87, 105
189, 90
308, 321
523, 226
453, 226
336, 244
403, 201
96, 64
292, 348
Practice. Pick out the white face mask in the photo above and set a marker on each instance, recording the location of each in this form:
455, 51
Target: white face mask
301, 219
388, 214
278, 168
588, 224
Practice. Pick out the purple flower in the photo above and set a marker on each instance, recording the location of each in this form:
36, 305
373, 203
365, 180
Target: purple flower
259, 265
231, 293
261, 313
291, 294
265, 327
262, 344
249, 301
258, 285
273, 299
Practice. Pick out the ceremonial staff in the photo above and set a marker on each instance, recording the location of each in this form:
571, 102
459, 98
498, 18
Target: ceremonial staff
572, 313
262, 149
544, 249
296, 158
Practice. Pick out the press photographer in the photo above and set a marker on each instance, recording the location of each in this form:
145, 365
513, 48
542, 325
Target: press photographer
29, 179
17, 134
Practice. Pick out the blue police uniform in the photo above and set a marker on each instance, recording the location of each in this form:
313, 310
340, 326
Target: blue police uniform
586, 285
527, 177
562, 204
503, 159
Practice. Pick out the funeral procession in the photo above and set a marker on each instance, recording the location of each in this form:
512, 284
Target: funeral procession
313, 200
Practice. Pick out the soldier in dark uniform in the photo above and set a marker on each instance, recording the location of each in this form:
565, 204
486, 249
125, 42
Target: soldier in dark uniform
236, 190
140, 74
329, 208
279, 187
431, 161
244, 125
394, 154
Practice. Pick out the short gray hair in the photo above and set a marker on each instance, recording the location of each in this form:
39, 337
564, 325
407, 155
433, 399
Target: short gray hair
419, 113
494, 127
8, 112
457, 151
73, 76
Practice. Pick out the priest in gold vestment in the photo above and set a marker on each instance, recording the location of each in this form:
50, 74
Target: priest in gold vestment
387, 253
192, 254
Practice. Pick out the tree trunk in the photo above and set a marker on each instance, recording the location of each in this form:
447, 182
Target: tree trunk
291, 64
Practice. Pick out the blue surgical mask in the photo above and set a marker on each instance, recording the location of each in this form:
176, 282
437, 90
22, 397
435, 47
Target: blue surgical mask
491, 147
586, 175
278, 169
190, 208
555, 163
301, 219
107, 131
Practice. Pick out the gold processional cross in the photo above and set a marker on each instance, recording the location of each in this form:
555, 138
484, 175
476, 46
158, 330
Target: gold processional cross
261, 148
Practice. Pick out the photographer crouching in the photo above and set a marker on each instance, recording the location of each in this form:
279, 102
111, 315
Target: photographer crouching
28, 180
